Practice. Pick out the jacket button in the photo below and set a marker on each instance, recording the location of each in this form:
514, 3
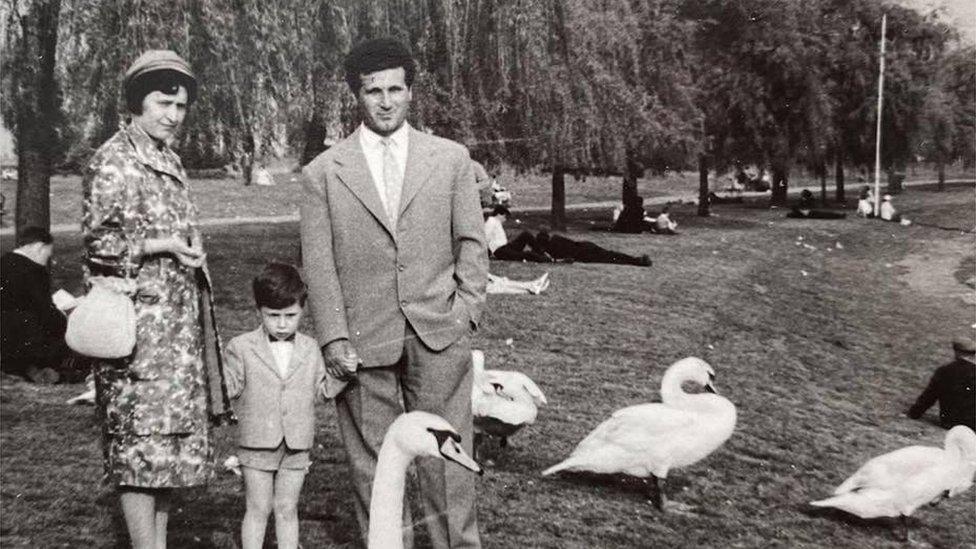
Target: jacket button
403, 303
401, 268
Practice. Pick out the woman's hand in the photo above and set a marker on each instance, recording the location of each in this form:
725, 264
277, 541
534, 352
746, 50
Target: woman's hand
190, 256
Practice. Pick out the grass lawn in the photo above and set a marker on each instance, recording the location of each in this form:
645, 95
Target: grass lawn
227, 197
820, 348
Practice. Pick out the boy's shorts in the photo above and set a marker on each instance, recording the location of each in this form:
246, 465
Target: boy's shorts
267, 459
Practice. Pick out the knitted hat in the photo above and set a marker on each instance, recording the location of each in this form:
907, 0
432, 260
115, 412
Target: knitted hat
157, 60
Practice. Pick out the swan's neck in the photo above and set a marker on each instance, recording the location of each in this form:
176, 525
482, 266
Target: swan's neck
386, 501
671, 391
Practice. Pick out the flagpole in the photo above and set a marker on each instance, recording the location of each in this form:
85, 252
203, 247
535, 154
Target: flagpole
877, 140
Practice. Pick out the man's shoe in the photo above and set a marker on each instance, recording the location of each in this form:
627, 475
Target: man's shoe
645, 261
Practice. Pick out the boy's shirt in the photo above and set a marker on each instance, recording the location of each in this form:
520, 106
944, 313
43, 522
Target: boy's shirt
283, 350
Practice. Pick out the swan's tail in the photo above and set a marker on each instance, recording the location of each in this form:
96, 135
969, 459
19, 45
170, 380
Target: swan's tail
561, 466
853, 504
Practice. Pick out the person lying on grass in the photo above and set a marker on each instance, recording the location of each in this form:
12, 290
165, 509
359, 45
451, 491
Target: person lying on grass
505, 285
804, 209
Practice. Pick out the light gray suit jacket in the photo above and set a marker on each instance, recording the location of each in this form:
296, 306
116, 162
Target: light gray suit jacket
367, 279
270, 407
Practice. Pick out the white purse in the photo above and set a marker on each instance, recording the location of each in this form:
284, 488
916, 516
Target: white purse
103, 325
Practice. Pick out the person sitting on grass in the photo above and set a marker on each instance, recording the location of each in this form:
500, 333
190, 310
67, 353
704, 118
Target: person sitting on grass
632, 218
888, 212
804, 209
274, 375
499, 246
663, 223
31, 326
505, 285
865, 204
584, 251
954, 386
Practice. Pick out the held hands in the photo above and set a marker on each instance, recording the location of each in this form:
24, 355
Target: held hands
341, 360
190, 255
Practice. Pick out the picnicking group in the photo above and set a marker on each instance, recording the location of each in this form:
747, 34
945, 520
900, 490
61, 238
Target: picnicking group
395, 253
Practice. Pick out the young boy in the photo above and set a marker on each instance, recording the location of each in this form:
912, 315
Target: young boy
274, 375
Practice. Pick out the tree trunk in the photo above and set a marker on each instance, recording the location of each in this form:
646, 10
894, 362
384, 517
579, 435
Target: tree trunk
780, 185
38, 110
822, 172
704, 209
940, 166
558, 216
629, 189
839, 177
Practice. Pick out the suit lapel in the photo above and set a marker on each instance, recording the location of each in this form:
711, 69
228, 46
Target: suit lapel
263, 350
354, 173
420, 164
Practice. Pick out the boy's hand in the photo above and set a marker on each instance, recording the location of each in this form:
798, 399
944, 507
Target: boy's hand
341, 359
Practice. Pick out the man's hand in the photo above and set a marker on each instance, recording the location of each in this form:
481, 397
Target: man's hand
341, 359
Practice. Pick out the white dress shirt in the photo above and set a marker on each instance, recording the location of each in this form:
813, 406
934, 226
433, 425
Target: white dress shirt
372, 145
282, 351
495, 233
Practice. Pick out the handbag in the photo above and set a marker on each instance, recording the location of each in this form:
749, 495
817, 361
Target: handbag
103, 325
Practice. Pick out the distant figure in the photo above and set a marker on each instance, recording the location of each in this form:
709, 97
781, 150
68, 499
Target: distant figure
888, 211
953, 386
632, 218
505, 285
562, 248
804, 209
32, 328
663, 223
865, 204
500, 248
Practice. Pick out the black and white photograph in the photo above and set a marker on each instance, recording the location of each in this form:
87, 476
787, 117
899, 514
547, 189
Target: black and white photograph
452, 274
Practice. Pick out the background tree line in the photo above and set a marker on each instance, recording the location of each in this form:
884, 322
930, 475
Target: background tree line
567, 86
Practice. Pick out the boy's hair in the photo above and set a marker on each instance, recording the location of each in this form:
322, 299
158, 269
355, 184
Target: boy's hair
33, 234
377, 55
279, 286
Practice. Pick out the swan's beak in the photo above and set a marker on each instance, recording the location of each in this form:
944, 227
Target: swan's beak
451, 450
710, 388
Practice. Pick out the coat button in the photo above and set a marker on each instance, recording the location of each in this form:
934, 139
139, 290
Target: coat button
403, 303
401, 268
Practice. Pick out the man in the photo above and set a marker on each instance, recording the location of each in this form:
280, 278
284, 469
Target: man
31, 326
953, 386
500, 248
396, 264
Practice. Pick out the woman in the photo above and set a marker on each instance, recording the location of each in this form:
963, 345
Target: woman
141, 234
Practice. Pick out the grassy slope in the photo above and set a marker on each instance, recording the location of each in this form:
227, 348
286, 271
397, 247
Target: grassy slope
820, 366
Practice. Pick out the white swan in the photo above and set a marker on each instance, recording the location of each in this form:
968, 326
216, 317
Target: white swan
648, 440
897, 483
410, 435
502, 401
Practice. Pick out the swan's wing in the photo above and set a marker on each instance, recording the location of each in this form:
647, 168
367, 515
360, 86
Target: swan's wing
639, 429
893, 469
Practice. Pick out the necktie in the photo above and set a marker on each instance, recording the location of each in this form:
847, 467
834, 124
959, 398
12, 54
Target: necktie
391, 180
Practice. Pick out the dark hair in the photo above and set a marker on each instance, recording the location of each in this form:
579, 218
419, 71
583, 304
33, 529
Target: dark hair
166, 81
279, 286
501, 210
31, 235
377, 55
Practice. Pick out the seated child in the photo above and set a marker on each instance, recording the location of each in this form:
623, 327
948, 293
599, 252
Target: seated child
274, 376
865, 204
663, 223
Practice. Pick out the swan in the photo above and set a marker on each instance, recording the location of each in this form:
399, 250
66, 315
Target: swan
899, 482
648, 440
502, 402
410, 435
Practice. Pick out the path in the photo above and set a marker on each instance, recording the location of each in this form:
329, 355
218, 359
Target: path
64, 228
